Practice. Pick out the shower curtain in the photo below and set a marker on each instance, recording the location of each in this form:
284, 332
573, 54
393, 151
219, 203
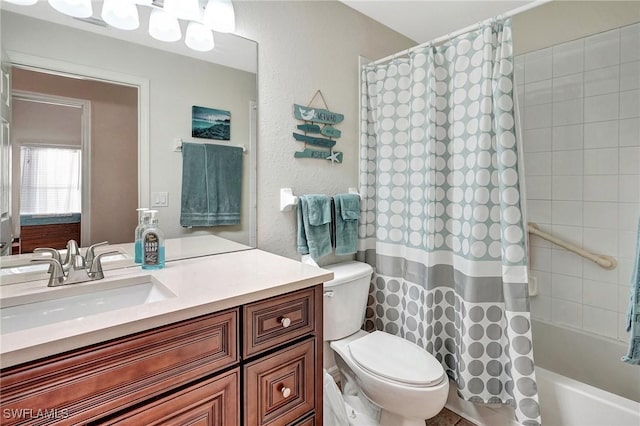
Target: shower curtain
442, 216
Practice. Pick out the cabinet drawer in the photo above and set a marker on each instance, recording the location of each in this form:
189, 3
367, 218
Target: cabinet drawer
91, 382
309, 421
271, 322
280, 388
213, 402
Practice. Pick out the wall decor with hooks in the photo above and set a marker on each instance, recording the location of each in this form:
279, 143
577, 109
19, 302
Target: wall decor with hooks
314, 134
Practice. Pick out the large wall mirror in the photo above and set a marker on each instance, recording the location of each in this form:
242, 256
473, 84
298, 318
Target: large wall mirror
128, 100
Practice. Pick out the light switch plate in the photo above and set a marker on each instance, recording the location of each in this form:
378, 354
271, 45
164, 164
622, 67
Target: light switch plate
159, 199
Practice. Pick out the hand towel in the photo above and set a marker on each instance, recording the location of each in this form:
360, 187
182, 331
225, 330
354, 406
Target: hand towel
633, 312
347, 213
211, 185
314, 218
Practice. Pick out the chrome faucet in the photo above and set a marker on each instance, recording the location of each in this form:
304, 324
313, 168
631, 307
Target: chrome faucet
75, 268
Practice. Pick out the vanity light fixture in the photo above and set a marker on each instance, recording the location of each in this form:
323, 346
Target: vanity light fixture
122, 14
199, 37
188, 10
75, 8
220, 16
163, 26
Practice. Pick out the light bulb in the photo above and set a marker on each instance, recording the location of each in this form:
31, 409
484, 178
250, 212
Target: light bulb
121, 14
143, 2
183, 9
75, 8
220, 16
163, 26
199, 37
22, 2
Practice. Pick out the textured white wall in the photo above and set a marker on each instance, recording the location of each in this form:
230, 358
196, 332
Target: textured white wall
304, 46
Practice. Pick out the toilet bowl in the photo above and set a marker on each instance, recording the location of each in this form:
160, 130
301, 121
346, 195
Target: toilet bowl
405, 381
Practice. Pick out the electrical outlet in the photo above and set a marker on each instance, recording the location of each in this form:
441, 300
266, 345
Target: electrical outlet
159, 199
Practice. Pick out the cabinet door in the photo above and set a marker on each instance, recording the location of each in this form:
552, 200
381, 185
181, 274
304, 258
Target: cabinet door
280, 388
213, 402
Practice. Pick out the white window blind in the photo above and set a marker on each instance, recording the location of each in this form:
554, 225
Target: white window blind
51, 180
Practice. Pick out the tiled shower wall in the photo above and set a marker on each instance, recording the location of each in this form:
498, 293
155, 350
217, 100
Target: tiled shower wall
580, 111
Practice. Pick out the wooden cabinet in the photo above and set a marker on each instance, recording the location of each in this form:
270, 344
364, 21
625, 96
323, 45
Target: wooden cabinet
208, 370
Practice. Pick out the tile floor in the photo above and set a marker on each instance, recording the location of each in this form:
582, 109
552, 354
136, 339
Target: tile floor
448, 418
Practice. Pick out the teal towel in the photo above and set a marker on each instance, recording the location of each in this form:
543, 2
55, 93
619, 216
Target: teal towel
211, 185
633, 313
314, 219
347, 213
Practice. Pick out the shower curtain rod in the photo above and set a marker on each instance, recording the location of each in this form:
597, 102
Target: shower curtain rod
464, 30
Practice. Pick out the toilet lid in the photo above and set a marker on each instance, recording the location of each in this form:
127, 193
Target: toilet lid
396, 359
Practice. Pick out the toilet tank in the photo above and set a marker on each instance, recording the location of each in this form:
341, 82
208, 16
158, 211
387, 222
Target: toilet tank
345, 298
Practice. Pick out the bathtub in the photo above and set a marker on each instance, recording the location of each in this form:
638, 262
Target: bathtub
602, 390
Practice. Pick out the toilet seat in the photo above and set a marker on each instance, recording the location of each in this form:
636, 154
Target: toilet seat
396, 359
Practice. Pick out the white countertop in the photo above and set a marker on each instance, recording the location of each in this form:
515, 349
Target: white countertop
201, 285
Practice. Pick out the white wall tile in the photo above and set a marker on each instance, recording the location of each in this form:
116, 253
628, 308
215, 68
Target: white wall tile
539, 211
567, 87
624, 296
628, 216
630, 104
538, 187
602, 50
566, 313
601, 188
567, 137
541, 258
630, 132
625, 271
630, 160
601, 108
601, 161
600, 215
600, 321
566, 213
600, 295
569, 233
537, 163
600, 240
630, 76
537, 66
544, 282
629, 188
568, 163
591, 271
566, 287
602, 81
627, 243
541, 308
518, 71
629, 42
566, 263
566, 187
601, 134
537, 116
537, 140
538, 92
568, 58
568, 112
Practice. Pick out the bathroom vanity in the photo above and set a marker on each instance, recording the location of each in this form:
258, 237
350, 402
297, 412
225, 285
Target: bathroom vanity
236, 339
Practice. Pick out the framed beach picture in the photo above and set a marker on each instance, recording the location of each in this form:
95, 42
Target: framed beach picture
210, 123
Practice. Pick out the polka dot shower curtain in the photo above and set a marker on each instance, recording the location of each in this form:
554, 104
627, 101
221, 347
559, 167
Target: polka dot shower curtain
442, 219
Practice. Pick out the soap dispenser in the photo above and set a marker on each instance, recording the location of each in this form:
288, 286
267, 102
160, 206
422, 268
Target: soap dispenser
143, 220
152, 243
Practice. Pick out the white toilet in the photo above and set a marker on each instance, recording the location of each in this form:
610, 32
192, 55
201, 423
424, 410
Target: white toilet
405, 381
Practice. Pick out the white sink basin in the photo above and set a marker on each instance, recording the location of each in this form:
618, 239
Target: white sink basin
73, 303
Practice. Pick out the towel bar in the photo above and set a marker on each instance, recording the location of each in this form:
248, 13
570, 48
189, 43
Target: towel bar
288, 201
177, 147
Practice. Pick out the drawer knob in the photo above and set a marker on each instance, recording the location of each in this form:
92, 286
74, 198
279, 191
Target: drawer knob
285, 391
286, 322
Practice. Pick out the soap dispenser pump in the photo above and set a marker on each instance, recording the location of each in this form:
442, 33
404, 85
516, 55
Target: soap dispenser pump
152, 243
143, 220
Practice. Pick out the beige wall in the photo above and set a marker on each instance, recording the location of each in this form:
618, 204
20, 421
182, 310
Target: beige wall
114, 147
561, 21
306, 46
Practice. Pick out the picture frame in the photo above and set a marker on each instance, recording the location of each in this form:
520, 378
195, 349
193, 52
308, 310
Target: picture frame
210, 123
